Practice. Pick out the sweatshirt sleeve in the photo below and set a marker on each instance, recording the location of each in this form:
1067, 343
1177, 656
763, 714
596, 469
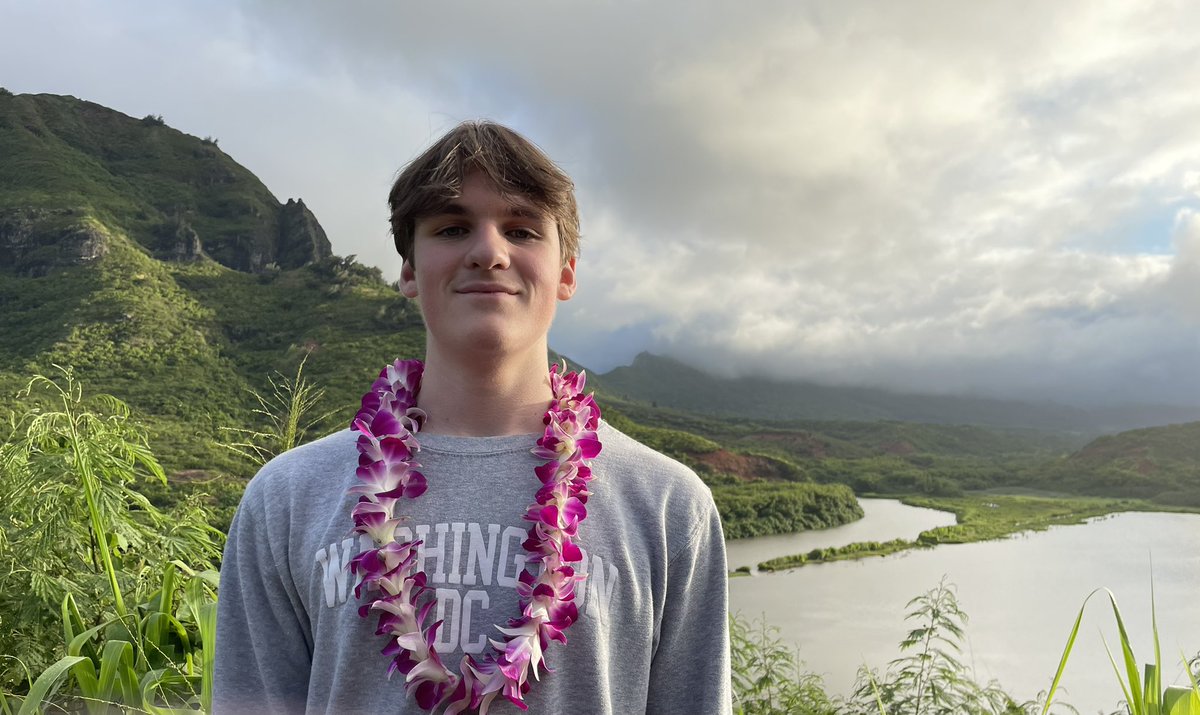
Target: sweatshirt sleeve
690, 670
264, 640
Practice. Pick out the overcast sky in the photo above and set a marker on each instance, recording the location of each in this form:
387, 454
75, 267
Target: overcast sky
983, 197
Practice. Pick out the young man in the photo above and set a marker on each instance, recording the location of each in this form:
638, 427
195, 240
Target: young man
534, 557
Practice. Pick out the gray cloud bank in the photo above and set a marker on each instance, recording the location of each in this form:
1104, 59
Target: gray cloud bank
988, 197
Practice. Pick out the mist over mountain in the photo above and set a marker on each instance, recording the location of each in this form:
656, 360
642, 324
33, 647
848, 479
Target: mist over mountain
671, 383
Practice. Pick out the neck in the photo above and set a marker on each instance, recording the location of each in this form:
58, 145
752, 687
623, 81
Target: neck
485, 397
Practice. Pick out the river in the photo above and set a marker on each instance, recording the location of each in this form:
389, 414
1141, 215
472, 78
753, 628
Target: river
1022, 595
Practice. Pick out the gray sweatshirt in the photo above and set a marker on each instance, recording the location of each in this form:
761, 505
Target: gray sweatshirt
652, 633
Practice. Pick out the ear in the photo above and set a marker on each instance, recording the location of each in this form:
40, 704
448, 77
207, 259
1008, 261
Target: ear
408, 279
566, 280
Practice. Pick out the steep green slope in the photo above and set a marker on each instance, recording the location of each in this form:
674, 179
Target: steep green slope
164, 272
174, 194
185, 343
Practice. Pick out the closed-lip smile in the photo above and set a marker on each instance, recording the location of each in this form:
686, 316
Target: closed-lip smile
484, 287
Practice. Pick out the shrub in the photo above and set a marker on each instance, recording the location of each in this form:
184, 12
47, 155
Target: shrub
767, 675
74, 526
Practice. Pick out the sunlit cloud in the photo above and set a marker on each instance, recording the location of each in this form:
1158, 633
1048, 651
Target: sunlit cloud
932, 195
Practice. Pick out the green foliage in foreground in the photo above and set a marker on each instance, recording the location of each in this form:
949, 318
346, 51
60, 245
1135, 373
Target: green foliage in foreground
767, 677
287, 414
1142, 696
77, 537
928, 678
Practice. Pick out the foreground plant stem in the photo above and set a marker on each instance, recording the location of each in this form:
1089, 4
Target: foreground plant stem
89, 494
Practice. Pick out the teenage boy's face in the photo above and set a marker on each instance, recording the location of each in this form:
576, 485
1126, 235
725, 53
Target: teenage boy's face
488, 271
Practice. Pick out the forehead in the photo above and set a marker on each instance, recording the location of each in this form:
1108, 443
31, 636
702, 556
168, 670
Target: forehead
480, 196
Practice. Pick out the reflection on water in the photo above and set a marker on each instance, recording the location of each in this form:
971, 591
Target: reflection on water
1022, 595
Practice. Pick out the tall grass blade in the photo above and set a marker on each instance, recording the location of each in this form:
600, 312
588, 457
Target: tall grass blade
116, 670
1180, 701
1117, 673
47, 684
1138, 704
1184, 701
152, 682
1154, 686
1062, 663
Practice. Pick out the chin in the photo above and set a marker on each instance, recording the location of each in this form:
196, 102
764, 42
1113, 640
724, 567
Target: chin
490, 342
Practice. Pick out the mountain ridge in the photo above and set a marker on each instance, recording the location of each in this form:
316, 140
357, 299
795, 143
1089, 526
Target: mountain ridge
178, 196
159, 291
672, 383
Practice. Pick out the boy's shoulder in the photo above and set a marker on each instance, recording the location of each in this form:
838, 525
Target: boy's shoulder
301, 465
637, 467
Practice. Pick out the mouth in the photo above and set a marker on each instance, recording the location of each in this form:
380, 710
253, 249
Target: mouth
486, 289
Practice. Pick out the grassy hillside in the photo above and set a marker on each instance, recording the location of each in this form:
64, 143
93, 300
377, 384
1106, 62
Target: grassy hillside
174, 194
1161, 463
185, 344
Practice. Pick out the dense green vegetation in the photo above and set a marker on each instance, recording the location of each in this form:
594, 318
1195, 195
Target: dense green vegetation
89, 566
176, 195
1160, 463
771, 508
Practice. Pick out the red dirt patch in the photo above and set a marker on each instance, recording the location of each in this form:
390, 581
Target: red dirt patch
742, 466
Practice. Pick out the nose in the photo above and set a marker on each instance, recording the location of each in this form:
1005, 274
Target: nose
488, 249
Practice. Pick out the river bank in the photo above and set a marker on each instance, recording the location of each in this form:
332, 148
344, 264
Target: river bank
978, 517
1022, 594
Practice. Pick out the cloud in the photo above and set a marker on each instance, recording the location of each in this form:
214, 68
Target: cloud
934, 195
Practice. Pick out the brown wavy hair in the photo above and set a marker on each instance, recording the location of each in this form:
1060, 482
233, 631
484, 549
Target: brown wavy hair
513, 163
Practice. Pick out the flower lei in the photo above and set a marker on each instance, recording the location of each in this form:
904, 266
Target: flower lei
388, 423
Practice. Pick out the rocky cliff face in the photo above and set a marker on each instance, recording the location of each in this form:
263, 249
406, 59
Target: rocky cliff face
179, 197
178, 241
34, 241
301, 238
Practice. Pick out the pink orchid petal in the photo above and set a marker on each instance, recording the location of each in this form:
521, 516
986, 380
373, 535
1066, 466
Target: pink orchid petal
387, 424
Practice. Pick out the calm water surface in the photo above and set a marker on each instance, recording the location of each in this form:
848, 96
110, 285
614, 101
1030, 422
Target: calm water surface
883, 520
1022, 595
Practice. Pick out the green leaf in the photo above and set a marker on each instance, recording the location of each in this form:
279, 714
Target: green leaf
1138, 704
47, 684
1181, 701
116, 670
151, 684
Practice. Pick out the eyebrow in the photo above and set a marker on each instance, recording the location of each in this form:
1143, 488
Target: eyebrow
514, 211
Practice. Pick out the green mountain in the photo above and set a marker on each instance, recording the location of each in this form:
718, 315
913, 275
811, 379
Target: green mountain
164, 273
669, 383
178, 197
1162, 463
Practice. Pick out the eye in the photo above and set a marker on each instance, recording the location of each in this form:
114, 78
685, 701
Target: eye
451, 232
523, 234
